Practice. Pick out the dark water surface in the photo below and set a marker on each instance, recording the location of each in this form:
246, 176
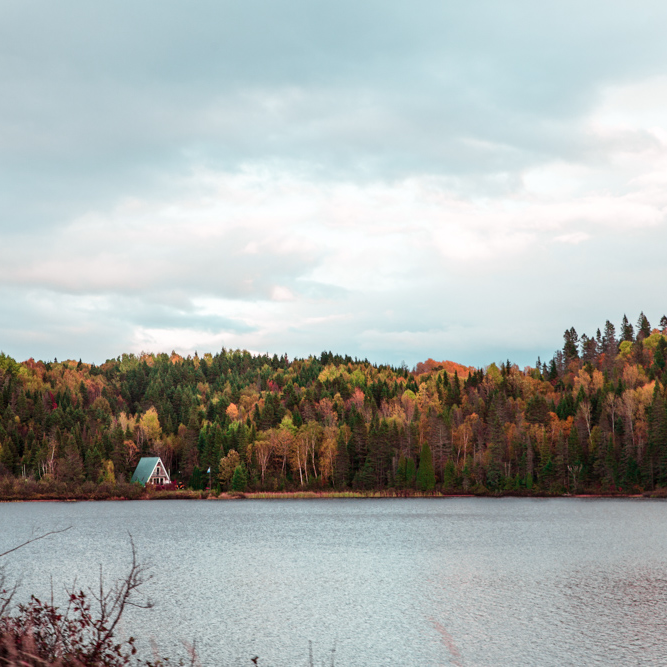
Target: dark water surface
467, 581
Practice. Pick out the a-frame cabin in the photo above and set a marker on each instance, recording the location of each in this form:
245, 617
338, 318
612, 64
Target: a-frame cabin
151, 470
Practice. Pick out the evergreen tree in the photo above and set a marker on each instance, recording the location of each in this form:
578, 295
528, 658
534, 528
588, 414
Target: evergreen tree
365, 476
449, 475
657, 438
240, 478
570, 348
342, 466
8, 457
643, 327
401, 478
627, 332
196, 479
659, 357
454, 390
426, 473
609, 344
410, 473
553, 371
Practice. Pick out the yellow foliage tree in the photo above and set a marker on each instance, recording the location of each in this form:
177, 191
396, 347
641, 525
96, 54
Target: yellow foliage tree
150, 425
108, 474
227, 466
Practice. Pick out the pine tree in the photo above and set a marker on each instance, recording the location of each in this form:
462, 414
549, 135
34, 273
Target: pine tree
426, 473
609, 343
454, 391
8, 457
365, 476
570, 348
342, 465
659, 357
657, 437
405, 473
196, 479
240, 478
643, 327
400, 478
627, 332
553, 371
449, 475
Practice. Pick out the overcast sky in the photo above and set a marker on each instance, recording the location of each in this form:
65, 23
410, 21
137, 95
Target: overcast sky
391, 180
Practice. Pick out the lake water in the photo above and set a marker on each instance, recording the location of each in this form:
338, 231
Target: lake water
465, 581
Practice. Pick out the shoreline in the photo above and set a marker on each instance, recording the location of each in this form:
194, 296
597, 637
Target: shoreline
658, 494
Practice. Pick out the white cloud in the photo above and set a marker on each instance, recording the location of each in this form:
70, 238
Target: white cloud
574, 238
279, 293
385, 188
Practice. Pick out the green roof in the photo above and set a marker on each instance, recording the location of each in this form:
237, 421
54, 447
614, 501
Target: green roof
144, 469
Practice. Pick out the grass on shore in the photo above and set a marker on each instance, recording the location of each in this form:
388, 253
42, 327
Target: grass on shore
390, 493
21, 489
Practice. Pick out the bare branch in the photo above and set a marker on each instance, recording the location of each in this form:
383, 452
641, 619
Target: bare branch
35, 539
113, 603
6, 594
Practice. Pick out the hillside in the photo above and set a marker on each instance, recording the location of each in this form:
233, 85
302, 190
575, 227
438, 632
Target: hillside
593, 419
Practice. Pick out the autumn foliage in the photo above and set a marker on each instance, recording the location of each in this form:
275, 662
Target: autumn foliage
592, 419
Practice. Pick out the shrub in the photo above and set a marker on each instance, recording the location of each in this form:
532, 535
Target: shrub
80, 635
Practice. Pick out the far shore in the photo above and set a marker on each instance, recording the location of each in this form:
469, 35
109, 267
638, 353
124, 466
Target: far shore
187, 494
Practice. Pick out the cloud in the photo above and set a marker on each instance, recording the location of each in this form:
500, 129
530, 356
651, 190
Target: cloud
375, 178
574, 238
273, 260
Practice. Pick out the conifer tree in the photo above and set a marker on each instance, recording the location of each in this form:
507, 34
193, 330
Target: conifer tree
426, 473
657, 438
400, 477
240, 478
449, 475
643, 327
454, 390
410, 472
196, 479
342, 466
627, 332
570, 348
609, 343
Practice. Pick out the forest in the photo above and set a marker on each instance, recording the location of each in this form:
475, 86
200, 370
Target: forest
593, 419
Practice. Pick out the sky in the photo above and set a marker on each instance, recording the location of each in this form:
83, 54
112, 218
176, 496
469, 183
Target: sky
389, 180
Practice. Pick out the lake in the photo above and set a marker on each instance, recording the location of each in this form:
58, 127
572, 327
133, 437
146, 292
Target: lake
442, 581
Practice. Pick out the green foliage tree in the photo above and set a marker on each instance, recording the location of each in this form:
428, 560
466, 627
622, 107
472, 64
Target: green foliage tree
570, 348
426, 473
643, 327
627, 332
449, 475
240, 478
405, 473
197, 479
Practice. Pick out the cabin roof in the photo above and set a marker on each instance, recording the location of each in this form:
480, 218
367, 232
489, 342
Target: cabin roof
145, 469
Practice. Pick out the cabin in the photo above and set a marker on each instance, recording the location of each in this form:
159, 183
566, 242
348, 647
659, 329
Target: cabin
151, 470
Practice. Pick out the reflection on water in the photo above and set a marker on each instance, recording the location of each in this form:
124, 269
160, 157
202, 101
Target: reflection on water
461, 582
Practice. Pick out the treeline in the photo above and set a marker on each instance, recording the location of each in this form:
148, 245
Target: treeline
594, 418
